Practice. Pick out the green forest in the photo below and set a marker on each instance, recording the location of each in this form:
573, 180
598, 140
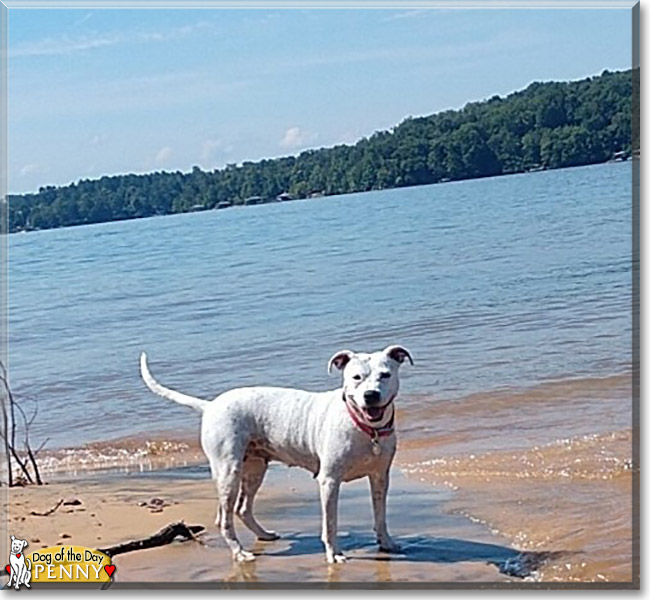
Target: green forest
546, 126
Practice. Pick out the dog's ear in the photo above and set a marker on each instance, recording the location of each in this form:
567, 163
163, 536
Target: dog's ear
398, 353
13, 538
24, 543
339, 360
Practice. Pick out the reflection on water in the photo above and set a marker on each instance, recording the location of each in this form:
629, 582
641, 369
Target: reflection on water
243, 571
426, 549
417, 549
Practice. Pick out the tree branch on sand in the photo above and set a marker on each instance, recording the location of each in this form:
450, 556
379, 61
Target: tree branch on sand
25, 457
47, 512
165, 536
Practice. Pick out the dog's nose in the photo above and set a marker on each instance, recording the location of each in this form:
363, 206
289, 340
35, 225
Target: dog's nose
372, 396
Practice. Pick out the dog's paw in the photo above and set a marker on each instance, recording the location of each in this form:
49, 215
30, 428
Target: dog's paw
268, 536
390, 547
334, 559
243, 556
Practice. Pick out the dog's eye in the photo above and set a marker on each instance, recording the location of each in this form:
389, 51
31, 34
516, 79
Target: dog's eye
356, 377
384, 375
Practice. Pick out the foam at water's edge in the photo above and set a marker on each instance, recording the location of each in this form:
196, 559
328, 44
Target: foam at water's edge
571, 495
126, 455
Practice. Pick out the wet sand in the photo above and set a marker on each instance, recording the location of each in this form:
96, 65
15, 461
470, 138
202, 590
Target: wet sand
529, 485
549, 468
550, 497
437, 547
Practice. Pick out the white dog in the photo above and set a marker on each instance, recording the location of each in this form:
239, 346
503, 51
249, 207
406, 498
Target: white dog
21, 568
340, 435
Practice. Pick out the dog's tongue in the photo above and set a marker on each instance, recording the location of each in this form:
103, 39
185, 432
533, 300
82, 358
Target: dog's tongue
374, 412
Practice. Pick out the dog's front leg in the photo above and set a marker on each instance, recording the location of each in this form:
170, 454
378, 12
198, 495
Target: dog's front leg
329, 495
379, 491
19, 577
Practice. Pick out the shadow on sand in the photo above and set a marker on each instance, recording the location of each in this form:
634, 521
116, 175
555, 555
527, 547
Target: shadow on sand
427, 549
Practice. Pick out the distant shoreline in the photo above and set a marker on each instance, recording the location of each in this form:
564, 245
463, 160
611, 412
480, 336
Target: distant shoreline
528, 172
548, 125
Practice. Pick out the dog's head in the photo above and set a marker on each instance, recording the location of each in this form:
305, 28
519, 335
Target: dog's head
371, 381
17, 545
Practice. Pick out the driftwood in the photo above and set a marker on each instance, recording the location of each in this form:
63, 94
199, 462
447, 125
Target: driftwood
47, 512
9, 431
165, 536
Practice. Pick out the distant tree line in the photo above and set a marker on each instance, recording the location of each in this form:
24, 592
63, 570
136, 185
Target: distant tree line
545, 126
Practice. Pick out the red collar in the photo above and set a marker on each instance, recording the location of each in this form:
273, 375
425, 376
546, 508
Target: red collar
373, 432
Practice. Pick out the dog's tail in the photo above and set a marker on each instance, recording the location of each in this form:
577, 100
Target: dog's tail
156, 388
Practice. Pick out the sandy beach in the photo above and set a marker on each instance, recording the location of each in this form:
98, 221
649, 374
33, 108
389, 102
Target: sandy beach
550, 502
443, 547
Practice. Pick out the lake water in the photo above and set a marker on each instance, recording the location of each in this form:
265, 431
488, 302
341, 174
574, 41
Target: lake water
492, 284
514, 295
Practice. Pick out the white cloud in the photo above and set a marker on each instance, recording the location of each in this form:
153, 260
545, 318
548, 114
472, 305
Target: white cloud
99, 139
63, 45
349, 137
208, 149
410, 14
163, 155
67, 44
72, 97
83, 19
29, 169
214, 152
294, 137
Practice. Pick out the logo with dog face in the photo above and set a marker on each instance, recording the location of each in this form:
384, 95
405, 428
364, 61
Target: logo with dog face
69, 564
20, 567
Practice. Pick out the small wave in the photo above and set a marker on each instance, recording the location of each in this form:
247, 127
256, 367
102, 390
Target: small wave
123, 454
594, 456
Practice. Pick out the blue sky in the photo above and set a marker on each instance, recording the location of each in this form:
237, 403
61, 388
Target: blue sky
95, 92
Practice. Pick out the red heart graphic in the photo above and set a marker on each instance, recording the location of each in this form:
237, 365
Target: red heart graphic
18, 555
8, 568
110, 569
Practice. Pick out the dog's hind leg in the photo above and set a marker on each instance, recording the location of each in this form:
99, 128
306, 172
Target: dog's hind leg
215, 477
228, 476
253, 475
28, 573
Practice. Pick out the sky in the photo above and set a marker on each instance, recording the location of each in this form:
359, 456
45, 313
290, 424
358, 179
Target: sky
95, 92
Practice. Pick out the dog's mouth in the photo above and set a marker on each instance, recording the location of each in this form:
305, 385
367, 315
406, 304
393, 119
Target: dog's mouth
374, 413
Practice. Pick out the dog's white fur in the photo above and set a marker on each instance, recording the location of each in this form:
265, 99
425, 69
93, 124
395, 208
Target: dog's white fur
21, 568
244, 428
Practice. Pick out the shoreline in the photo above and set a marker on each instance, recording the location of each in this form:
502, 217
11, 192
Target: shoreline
443, 548
165, 448
529, 470
208, 210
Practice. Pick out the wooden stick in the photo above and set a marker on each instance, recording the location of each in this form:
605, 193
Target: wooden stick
47, 512
165, 536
